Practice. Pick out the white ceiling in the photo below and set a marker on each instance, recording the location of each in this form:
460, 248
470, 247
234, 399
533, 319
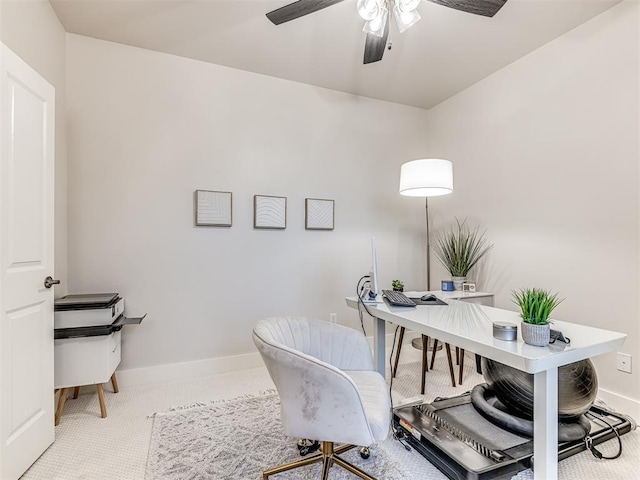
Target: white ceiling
444, 53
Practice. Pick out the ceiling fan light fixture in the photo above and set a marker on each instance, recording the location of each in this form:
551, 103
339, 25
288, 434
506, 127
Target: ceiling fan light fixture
369, 9
377, 25
405, 19
407, 5
376, 15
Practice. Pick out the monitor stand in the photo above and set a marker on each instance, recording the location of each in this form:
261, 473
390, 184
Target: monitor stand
366, 298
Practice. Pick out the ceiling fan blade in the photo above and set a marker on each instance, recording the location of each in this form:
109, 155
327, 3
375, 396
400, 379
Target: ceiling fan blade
374, 46
298, 9
487, 8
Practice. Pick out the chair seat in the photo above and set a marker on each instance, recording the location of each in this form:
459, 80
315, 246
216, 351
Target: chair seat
374, 393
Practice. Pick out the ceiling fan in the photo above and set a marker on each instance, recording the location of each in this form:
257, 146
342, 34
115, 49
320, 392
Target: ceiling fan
376, 15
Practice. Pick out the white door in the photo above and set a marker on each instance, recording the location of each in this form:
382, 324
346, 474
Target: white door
26, 258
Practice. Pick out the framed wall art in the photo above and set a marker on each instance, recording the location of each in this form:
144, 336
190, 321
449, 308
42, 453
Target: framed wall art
269, 212
212, 209
318, 214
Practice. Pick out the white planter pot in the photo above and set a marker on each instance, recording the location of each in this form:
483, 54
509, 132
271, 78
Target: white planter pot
457, 282
537, 335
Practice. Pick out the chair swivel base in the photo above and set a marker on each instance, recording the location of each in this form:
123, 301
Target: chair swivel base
328, 457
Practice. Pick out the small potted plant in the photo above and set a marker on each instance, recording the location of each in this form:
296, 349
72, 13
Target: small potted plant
460, 249
536, 305
397, 285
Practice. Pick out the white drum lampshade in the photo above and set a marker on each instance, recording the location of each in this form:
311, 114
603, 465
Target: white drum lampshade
426, 178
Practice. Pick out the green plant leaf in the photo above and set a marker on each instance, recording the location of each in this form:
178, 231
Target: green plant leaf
536, 304
459, 249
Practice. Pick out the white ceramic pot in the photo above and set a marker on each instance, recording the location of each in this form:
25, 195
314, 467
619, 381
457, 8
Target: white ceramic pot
457, 282
537, 335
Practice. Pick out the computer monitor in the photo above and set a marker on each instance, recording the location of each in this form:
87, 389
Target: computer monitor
373, 274
371, 294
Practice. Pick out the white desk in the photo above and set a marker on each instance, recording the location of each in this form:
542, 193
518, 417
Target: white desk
481, 298
470, 326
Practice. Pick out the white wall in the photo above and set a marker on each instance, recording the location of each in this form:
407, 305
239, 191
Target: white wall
147, 129
32, 30
546, 158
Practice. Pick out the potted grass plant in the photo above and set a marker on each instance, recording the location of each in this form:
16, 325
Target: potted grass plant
459, 249
536, 305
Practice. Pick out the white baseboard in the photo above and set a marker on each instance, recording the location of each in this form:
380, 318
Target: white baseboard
202, 368
214, 366
620, 403
198, 368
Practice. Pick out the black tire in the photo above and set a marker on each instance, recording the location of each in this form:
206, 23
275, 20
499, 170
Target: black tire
308, 448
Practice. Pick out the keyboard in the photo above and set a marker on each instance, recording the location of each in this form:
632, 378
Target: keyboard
398, 298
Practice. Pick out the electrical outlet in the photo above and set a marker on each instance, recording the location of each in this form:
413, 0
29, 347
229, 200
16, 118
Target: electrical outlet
624, 362
333, 318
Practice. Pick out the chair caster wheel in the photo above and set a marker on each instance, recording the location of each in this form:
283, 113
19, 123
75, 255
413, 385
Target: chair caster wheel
306, 446
365, 452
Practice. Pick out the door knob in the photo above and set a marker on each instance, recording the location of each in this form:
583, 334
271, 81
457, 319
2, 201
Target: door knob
50, 282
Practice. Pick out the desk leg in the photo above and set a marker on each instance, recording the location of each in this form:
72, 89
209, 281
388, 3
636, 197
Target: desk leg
545, 425
379, 346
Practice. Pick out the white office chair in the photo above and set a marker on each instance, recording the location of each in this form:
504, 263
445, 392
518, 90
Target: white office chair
328, 388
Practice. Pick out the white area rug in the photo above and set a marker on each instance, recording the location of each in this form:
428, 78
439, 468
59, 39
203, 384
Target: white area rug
237, 439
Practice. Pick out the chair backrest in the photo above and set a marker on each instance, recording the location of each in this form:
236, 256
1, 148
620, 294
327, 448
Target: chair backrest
337, 345
304, 358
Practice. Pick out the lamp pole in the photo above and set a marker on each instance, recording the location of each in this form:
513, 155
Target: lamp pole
426, 209
427, 177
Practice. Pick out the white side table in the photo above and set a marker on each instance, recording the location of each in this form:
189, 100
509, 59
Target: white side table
88, 355
86, 361
482, 298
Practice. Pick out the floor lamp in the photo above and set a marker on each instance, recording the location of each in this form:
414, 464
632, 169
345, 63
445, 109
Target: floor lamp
426, 178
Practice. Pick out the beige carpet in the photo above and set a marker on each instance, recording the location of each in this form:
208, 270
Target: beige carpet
182, 446
115, 448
